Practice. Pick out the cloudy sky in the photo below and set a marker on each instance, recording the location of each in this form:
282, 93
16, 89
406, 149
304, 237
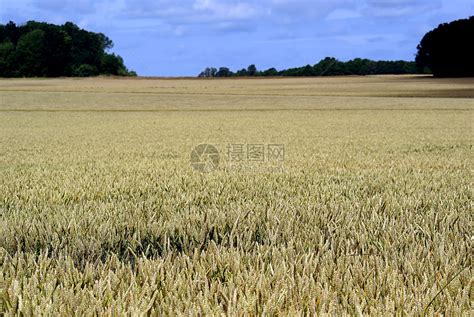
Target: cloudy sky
181, 37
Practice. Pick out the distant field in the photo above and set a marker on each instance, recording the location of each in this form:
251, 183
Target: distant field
369, 211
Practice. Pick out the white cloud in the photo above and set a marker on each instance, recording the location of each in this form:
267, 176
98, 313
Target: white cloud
238, 10
398, 8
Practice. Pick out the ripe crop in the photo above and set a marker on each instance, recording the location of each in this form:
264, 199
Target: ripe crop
101, 211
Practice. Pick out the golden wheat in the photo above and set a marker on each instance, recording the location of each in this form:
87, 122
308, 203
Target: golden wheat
370, 213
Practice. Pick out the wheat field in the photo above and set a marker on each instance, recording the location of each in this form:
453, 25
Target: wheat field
369, 212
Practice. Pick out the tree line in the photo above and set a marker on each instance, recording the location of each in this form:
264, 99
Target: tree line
329, 66
38, 49
446, 51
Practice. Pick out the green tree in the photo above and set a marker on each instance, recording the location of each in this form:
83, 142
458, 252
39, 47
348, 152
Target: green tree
11, 32
251, 70
31, 53
44, 49
208, 72
270, 72
85, 70
224, 72
112, 64
242, 72
7, 59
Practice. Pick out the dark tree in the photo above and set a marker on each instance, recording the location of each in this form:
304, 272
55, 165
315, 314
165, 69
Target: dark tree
85, 70
251, 70
270, 72
57, 46
208, 72
31, 54
42, 49
7, 59
224, 72
11, 32
242, 72
112, 64
448, 50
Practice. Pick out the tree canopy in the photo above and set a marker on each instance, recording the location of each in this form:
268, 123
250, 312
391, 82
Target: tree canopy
38, 49
329, 66
448, 50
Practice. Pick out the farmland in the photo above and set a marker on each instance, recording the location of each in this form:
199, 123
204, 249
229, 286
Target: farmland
368, 212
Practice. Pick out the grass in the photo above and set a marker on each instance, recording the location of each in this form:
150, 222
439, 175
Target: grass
102, 213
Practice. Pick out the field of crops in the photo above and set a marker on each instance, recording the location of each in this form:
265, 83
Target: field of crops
365, 207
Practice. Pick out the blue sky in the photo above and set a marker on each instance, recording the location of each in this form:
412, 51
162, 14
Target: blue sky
181, 37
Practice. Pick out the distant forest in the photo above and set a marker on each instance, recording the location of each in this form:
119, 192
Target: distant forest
329, 66
447, 51
38, 49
